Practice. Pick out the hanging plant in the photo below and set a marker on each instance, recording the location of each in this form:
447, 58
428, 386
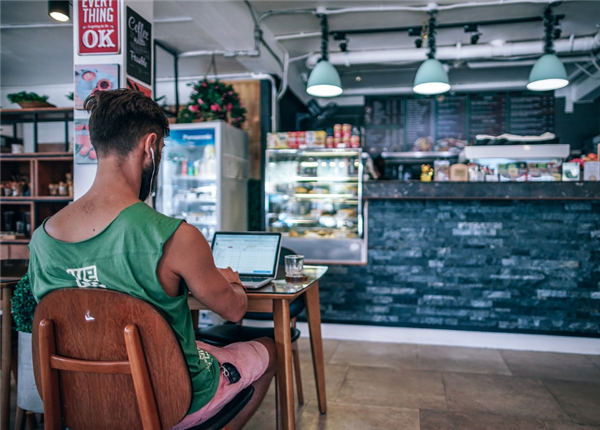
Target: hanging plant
213, 100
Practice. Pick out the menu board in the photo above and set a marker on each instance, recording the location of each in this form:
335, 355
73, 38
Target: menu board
451, 117
531, 114
395, 124
488, 114
383, 111
384, 124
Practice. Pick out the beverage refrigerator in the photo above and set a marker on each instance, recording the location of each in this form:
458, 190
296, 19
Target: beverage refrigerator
204, 176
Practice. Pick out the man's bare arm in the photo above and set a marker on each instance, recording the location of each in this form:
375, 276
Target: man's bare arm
187, 255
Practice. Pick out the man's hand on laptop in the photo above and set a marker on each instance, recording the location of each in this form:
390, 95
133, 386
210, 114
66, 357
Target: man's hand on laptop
232, 276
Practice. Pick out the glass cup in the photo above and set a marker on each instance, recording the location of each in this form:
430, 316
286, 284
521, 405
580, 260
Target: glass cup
294, 264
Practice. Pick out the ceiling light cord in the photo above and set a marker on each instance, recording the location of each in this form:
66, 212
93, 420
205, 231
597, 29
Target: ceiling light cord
431, 32
549, 24
324, 38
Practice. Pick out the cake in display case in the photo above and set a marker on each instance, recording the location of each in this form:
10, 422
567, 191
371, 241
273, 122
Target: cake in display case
314, 198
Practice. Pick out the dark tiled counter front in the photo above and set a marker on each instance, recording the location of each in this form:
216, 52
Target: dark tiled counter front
482, 190
458, 262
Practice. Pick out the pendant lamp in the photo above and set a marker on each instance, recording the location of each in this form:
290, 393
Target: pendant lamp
431, 78
59, 10
324, 80
548, 73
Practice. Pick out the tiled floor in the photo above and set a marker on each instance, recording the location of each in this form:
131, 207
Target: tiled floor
420, 387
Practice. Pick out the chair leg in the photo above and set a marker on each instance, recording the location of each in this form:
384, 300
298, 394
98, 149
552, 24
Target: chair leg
20, 419
296, 359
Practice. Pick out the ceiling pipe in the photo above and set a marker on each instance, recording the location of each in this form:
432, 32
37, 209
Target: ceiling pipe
529, 62
581, 44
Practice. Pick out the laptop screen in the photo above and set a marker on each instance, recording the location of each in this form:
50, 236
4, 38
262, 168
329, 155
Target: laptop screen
247, 253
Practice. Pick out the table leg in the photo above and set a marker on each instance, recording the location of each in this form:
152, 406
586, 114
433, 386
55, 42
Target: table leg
285, 382
313, 316
6, 357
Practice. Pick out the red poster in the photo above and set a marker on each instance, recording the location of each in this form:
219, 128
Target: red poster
99, 27
132, 85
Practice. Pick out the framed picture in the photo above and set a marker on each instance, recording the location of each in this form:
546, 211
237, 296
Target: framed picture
94, 77
84, 151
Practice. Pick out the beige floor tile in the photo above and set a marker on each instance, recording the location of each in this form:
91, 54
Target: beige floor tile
359, 417
329, 347
335, 375
266, 415
398, 388
455, 359
501, 395
594, 359
376, 354
547, 365
445, 420
554, 425
581, 400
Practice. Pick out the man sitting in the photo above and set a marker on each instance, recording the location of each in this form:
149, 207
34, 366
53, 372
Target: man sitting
109, 238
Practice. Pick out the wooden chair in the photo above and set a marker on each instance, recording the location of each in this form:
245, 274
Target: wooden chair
224, 334
107, 360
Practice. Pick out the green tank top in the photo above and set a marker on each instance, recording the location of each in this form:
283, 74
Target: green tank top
124, 257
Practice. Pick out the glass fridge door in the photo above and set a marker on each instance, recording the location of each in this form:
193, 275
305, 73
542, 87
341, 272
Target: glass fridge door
188, 187
314, 198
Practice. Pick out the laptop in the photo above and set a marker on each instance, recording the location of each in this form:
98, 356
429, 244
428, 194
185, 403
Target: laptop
253, 255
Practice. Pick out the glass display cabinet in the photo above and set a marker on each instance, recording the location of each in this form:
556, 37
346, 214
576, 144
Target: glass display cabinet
314, 197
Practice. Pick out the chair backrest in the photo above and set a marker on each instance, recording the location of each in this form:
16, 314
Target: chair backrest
107, 360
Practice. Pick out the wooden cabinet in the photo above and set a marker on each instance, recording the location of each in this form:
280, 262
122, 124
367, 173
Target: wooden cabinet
33, 195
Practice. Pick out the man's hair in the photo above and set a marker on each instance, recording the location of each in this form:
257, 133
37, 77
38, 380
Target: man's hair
120, 118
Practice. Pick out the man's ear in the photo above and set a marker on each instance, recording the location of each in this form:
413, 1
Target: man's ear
149, 142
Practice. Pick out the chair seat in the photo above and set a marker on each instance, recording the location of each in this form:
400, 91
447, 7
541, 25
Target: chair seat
229, 411
224, 334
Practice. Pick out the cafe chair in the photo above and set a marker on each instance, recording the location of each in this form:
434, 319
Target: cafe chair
227, 333
107, 360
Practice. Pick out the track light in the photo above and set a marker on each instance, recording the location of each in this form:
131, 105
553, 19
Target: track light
59, 10
548, 73
431, 78
324, 80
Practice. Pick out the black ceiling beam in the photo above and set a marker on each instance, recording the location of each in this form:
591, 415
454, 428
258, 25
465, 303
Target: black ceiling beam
342, 34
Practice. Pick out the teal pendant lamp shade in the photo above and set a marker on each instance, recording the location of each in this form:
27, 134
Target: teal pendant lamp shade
548, 73
324, 81
59, 10
431, 78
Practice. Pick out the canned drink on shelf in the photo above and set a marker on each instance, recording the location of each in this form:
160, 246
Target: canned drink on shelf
292, 140
320, 138
354, 141
310, 139
301, 139
337, 130
329, 143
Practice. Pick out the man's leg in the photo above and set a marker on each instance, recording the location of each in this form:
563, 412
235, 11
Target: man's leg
261, 386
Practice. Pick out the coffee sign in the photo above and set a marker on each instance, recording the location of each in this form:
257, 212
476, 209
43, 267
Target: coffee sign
98, 27
139, 47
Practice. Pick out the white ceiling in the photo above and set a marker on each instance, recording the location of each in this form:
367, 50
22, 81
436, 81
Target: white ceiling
36, 50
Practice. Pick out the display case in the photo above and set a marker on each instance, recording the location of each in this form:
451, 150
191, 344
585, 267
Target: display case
314, 197
204, 176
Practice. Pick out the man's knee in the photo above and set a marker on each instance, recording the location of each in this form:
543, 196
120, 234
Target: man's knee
272, 350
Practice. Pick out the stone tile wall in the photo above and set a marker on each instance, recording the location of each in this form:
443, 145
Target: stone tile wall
511, 266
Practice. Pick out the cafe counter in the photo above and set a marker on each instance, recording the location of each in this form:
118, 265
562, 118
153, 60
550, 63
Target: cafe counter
508, 257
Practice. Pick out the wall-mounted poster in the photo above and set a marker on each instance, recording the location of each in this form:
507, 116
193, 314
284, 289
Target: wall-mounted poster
98, 27
132, 85
84, 151
92, 78
139, 47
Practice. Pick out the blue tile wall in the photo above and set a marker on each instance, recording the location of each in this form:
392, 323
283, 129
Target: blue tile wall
510, 266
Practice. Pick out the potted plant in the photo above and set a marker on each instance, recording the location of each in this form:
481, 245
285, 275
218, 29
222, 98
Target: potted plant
213, 100
23, 308
29, 100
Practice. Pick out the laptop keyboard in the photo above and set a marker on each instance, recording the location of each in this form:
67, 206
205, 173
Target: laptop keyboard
252, 278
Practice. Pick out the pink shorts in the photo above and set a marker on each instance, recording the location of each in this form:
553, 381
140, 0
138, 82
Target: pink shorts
250, 358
